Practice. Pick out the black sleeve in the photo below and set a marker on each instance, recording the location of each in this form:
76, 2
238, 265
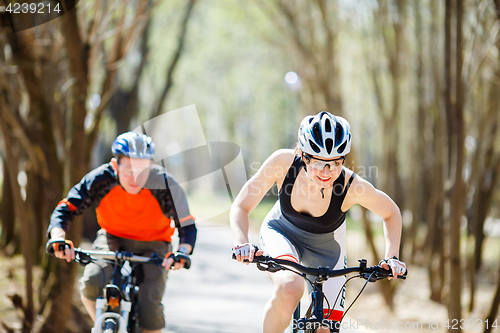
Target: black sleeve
185, 223
92, 187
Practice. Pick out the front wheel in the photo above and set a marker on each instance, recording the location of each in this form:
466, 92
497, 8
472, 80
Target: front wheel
110, 326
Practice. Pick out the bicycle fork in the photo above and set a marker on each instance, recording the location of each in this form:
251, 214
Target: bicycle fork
314, 318
116, 308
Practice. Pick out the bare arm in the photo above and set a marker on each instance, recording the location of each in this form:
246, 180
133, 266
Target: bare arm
254, 190
382, 205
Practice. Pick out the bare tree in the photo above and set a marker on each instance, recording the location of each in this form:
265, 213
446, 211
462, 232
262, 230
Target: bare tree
175, 59
67, 59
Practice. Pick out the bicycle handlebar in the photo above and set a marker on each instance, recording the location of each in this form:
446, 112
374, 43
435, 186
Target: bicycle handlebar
374, 273
87, 256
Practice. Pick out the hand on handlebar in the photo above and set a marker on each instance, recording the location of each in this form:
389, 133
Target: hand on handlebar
397, 266
61, 248
246, 252
176, 261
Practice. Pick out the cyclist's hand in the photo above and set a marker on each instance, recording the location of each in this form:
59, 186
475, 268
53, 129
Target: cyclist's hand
176, 261
246, 252
63, 249
397, 266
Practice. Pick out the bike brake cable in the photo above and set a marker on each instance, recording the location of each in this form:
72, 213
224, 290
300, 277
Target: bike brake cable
359, 294
330, 310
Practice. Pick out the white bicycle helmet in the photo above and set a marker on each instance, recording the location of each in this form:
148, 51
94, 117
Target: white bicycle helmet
325, 135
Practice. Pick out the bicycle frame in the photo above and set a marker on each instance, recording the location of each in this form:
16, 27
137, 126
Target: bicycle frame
117, 302
317, 316
119, 299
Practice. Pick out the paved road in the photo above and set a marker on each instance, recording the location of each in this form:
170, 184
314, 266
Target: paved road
217, 295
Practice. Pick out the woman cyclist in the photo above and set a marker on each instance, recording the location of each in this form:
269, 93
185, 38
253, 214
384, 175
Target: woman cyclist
307, 223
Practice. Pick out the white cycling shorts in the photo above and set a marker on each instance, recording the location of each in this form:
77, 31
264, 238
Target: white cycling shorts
281, 239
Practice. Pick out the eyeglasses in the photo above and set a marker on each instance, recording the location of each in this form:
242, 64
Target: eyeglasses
319, 164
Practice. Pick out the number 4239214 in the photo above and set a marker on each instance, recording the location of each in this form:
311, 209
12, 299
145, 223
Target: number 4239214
45, 7
470, 324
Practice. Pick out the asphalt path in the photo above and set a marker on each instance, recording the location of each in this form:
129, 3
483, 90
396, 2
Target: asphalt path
218, 294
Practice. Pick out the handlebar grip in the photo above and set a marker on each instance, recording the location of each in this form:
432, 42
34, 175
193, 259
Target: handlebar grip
234, 258
384, 273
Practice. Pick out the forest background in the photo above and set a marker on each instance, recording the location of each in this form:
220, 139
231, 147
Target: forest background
419, 81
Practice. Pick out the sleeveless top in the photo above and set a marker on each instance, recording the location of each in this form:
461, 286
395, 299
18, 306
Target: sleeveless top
328, 222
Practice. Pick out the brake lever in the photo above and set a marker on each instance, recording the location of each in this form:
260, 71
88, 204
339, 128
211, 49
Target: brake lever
268, 266
82, 257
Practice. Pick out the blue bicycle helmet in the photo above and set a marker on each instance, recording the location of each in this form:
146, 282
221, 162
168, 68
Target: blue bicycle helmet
134, 145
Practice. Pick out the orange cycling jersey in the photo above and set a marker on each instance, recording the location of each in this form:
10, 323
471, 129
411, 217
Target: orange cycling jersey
133, 216
146, 216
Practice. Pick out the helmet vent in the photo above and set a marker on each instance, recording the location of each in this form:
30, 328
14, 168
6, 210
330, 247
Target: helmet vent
329, 145
328, 126
318, 137
339, 134
341, 149
314, 147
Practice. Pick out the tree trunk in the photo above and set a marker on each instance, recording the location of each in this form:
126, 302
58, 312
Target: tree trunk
456, 132
125, 104
494, 306
20, 210
434, 254
417, 178
66, 273
173, 64
485, 183
7, 213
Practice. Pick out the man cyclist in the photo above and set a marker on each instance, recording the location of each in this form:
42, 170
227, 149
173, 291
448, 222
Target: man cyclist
307, 223
138, 205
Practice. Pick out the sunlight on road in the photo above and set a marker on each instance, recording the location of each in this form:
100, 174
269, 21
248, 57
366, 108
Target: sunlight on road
217, 295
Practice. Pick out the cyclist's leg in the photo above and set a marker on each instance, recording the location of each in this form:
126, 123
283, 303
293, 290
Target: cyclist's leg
288, 287
95, 276
152, 287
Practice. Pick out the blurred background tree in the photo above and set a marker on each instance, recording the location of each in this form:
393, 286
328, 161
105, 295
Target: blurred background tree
417, 80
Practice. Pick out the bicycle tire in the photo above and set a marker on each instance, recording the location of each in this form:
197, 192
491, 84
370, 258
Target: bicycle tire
133, 326
133, 317
110, 326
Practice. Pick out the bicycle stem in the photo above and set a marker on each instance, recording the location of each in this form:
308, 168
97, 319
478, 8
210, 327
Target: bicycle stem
317, 298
